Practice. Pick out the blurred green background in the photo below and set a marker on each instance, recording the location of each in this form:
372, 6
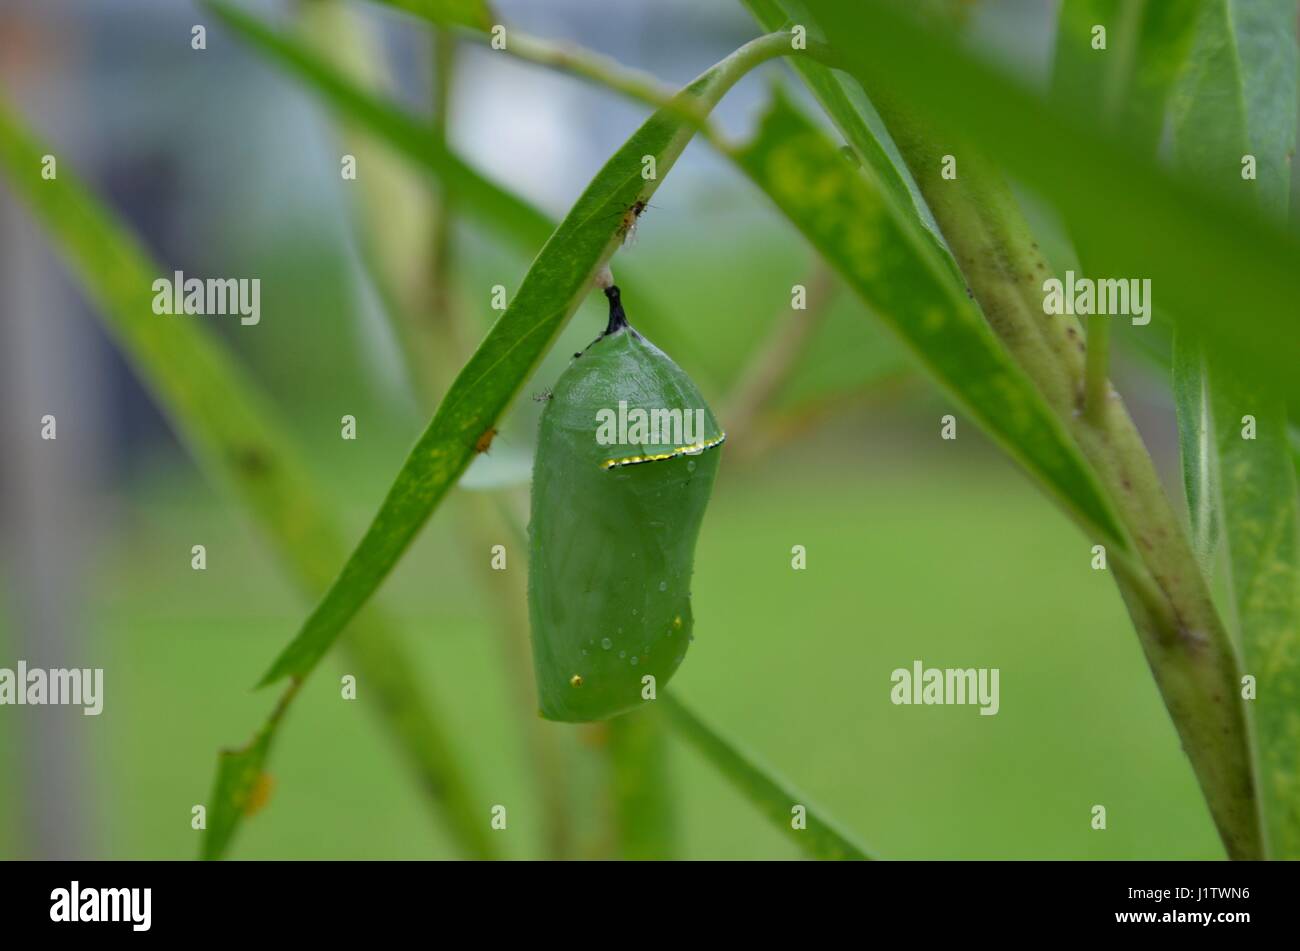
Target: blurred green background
917, 548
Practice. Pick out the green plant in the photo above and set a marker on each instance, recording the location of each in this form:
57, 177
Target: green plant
948, 263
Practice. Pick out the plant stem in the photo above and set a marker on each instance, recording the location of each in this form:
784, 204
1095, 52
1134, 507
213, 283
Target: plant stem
820, 836
639, 85
639, 781
1096, 385
778, 355
441, 251
1185, 641
764, 440
578, 61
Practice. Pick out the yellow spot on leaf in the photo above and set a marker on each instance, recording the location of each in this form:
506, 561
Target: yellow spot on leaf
259, 795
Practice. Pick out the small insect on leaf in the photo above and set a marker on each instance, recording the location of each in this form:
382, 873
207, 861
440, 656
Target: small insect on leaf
543, 396
627, 226
626, 456
484, 442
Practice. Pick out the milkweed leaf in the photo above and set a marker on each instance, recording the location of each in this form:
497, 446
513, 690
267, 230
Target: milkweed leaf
1239, 98
903, 283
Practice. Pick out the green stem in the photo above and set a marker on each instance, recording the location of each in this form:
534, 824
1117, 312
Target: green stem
641, 86
777, 356
1118, 76
819, 835
1185, 641
578, 61
640, 788
441, 252
1096, 385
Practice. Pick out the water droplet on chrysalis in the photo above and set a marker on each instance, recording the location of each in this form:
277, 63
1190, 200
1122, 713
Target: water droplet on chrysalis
606, 643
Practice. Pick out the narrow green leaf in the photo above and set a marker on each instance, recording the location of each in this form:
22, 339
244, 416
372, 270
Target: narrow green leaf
1196, 449
239, 788
1205, 256
220, 414
854, 116
475, 14
821, 838
1239, 98
1128, 83
554, 286
490, 204
1258, 489
903, 282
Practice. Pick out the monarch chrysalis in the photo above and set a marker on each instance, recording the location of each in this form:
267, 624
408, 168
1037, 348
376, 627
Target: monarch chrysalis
626, 457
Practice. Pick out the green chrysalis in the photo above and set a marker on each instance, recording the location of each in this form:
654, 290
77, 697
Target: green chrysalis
625, 462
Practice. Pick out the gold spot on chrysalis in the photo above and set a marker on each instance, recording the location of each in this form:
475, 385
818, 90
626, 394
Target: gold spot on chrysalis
575, 680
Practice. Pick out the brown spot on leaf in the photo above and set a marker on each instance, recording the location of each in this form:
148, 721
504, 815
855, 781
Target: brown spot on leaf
252, 460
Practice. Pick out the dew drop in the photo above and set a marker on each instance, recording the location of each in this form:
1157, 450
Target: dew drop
606, 643
663, 586
634, 661
622, 654
690, 465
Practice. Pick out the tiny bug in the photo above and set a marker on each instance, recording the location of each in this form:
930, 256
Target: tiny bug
627, 224
627, 227
543, 396
485, 441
